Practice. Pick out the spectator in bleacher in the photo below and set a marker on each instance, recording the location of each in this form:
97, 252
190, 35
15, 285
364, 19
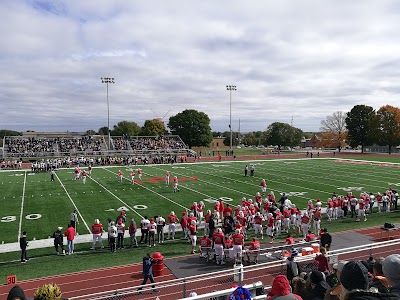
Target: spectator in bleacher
355, 282
390, 268
332, 278
322, 260
299, 286
16, 293
281, 290
377, 273
318, 286
293, 268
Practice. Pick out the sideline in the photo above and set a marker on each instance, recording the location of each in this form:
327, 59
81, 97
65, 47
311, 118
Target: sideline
22, 208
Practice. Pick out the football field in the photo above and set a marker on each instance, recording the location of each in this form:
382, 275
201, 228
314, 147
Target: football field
30, 201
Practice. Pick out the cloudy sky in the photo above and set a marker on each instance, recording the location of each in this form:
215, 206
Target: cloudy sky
290, 60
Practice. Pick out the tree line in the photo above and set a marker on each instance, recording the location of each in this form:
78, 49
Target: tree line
361, 126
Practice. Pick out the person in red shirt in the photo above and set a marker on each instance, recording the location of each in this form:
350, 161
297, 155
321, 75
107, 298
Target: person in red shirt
84, 176
238, 243
289, 240
305, 222
227, 209
139, 172
218, 241
176, 182
200, 209
133, 177
184, 225
253, 251
193, 235
70, 234
317, 221
258, 229
310, 237
361, 211
263, 186
120, 176
207, 218
270, 227
97, 231
322, 260
286, 220
205, 246
217, 213
172, 221
167, 175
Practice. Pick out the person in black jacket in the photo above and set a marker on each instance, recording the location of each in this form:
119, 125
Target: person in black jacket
58, 240
211, 226
326, 239
23, 244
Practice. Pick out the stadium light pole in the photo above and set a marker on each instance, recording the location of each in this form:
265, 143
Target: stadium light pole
108, 80
230, 88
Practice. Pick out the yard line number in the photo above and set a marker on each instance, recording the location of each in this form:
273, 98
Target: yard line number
8, 219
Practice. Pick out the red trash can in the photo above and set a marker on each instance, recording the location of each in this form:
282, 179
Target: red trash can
158, 266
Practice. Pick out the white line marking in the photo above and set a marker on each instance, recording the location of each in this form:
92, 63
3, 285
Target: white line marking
22, 208
73, 203
116, 197
146, 188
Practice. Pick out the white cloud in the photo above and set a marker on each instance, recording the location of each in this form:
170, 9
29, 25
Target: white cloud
289, 59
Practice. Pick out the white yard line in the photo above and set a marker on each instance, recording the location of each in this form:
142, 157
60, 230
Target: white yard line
115, 196
73, 203
207, 182
172, 201
22, 208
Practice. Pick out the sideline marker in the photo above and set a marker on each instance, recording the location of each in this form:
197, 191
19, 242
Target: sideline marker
12, 279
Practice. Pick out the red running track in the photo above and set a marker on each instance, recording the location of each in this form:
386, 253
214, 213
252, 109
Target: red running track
90, 282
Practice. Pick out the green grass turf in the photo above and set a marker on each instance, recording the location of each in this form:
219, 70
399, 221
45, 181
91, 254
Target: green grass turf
102, 196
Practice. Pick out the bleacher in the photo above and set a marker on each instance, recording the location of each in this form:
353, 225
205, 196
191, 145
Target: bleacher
40, 146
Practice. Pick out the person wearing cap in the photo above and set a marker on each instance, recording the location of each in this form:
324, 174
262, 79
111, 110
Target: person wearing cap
325, 239
147, 272
355, 281
58, 240
390, 268
112, 235
293, 268
120, 234
318, 286
376, 281
16, 293
332, 278
23, 243
281, 290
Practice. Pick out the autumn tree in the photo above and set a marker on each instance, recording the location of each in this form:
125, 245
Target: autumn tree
361, 126
388, 118
334, 127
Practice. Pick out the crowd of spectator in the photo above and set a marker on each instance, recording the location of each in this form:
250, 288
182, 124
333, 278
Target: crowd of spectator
155, 143
29, 146
371, 279
85, 143
34, 147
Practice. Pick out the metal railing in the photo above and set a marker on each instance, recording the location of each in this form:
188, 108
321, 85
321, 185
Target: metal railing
222, 280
